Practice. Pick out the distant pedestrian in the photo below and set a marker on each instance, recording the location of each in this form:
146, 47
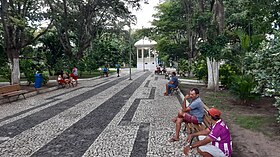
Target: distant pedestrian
106, 71
118, 69
74, 74
173, 83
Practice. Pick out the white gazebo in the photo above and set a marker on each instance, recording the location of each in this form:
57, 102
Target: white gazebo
147, 58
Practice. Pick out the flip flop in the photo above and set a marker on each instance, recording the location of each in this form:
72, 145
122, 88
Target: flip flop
174, 120
173, 139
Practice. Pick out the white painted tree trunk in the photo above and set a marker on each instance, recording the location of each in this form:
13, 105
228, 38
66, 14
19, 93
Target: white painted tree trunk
15, 77
213, 74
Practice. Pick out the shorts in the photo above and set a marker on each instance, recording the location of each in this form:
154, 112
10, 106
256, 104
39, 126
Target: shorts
213, 150
190, 119
74, 77
170, 86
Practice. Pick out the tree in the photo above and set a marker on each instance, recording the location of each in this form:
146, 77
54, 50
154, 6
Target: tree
213, 64
265, 68
78, 23
170, 32
20, 28
53, 51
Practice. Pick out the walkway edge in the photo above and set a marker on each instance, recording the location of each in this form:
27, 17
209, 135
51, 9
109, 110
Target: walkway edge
30, 94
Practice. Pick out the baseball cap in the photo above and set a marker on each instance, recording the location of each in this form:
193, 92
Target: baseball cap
214, 112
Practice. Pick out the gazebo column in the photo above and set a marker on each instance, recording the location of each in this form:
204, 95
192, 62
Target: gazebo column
143, 58
150, 63
137, 56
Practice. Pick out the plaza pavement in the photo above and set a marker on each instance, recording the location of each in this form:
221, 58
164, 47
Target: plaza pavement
102, 117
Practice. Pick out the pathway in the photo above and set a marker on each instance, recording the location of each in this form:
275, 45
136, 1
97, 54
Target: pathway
101, 117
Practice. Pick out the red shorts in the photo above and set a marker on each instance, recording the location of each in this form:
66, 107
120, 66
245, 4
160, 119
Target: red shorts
190, 119
61, 81
74, 77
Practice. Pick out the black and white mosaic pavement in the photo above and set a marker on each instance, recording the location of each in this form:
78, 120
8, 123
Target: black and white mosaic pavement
101, 117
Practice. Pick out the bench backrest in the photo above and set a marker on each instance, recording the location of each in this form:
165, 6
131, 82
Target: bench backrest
9, 88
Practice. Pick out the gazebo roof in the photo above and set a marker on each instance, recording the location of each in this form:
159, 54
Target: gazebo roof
145, 42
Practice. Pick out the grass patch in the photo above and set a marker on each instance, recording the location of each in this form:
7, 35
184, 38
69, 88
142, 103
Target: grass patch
218, 99
3, 80
254, 123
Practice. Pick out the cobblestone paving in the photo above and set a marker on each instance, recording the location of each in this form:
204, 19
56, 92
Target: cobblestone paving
101, 117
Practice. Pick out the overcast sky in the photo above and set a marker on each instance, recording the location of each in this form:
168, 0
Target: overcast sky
144, 16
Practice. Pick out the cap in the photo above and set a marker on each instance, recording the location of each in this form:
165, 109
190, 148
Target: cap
214, 112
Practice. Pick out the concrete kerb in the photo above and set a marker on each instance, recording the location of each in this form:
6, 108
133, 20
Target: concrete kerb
41, 91
180, 96
29, 94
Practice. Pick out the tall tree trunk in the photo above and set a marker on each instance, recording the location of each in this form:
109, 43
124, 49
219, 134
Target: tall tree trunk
213, 65
14, 58
213, 74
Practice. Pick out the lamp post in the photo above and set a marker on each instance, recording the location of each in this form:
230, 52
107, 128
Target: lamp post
129, 52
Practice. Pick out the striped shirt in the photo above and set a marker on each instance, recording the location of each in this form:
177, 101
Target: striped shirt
221, 138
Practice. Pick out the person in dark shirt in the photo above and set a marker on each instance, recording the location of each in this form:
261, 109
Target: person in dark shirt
173, 83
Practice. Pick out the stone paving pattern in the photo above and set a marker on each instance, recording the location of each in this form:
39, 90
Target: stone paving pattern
101, 117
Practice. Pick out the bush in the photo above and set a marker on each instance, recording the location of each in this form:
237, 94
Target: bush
29, 69
277, 105
6, 72
226, 75
200, 70
45, 79
265, 67
184, 67
242, 86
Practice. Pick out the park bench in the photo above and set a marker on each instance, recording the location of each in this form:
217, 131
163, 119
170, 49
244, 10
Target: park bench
12, 90
174, 90
167, 75
158, 71
198, 127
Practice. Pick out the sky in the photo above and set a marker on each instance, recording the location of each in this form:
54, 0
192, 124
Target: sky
144, 15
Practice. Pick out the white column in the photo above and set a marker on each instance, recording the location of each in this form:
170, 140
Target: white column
150, 63
137, 53
143, 58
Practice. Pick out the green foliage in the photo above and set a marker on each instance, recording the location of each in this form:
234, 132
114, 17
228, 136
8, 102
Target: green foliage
242, 87
53, 52
4, 68
226, 75
265, 68
80, 23
45, 79
214, 48
5, 72
184, 67
170, 31
170, 49
29, 68
200, 69
277, 105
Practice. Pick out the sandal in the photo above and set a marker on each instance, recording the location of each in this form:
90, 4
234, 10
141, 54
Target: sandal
174, 120
173, 139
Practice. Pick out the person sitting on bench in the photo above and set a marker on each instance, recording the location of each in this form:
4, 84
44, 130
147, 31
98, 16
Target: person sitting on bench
189, 114
173, 83
105, 71
164, 70
218, 134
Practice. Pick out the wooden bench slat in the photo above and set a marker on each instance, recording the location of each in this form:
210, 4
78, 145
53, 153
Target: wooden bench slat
9, 88
12, 90
15, 93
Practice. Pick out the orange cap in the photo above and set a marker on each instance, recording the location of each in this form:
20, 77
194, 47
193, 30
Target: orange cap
214, 112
